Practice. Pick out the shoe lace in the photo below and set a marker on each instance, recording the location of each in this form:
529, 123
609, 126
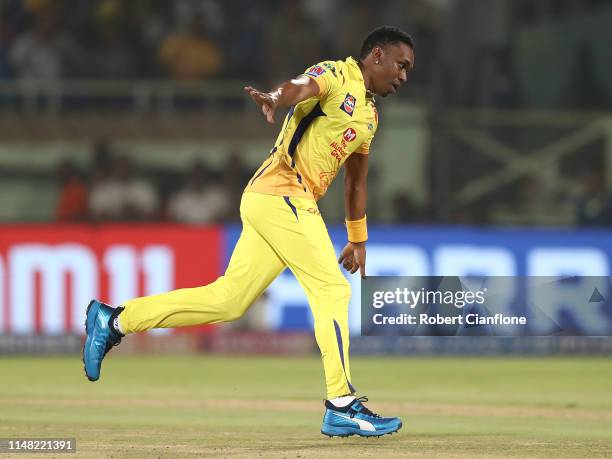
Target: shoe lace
110, 344
364, 409
115, 338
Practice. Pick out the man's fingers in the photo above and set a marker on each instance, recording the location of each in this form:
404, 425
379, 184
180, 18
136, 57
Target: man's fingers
351, 266
362, 270
250, 91
258, 97
254, 95
348, 263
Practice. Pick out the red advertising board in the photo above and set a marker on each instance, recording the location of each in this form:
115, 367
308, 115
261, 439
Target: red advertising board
48, 274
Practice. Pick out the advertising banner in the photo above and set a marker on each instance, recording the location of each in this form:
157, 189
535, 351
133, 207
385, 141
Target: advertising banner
48, 274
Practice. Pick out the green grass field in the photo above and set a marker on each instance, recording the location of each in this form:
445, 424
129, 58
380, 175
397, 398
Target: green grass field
162, 406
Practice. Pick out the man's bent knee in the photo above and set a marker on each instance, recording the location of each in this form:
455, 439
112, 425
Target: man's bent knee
231, 315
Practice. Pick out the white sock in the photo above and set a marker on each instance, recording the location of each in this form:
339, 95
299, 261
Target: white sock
341, 402
117, 325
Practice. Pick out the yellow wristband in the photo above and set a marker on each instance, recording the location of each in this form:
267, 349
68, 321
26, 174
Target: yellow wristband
357, 230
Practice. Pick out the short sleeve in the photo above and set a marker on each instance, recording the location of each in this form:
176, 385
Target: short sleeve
326, 76
364, 148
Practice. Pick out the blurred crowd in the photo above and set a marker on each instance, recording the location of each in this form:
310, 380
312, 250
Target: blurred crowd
190, 39
268, 40
467, 55
115, 189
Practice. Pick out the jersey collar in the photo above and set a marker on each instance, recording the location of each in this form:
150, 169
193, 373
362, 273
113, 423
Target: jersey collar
356, 74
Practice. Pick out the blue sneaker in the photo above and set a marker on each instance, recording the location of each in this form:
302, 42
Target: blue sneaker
101, 337
356, 419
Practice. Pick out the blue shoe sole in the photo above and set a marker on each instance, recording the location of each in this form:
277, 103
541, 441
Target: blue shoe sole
90, 317
332, 431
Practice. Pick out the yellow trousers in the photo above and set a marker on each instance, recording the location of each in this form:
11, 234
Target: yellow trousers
277, 232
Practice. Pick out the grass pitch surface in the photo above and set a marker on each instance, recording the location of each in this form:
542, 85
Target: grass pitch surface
161, 406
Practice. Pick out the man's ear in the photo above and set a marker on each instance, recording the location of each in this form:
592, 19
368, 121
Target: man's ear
377, 53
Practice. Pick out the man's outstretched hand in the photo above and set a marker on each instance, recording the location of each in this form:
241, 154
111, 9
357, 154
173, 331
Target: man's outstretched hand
353, 258
265, 100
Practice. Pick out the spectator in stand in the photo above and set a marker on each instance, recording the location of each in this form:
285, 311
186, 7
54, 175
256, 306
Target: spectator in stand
202, 200
191, 55
126, 37
121, 196
44, 52
72, 202
149, 23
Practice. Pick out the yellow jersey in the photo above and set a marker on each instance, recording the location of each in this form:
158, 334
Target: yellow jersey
319, 134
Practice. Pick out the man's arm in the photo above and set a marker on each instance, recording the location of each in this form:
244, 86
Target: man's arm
289, 93
353, 256
355, 186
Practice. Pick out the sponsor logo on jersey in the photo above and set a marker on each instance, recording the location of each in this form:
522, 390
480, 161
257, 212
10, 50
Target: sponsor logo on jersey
370, 126
338, 150
349, 135
331, 67
348, 106
315, 71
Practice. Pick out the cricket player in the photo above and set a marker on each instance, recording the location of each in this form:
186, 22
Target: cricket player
331, 122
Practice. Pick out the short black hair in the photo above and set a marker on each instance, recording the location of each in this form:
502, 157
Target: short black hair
382, 36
